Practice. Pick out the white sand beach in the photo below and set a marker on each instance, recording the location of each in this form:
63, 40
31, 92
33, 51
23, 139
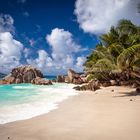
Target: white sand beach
101, 115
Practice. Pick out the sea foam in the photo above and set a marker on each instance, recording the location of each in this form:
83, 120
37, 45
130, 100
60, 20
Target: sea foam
31, 101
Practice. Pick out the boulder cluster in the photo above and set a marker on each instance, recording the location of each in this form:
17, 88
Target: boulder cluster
96, 84
78, 79
25, 74
29, 74
72, 77
93, 85
84, 84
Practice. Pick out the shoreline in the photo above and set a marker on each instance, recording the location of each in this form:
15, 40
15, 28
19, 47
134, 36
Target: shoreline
36, 100
102, 115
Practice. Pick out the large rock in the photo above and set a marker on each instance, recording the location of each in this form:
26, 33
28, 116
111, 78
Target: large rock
138, 89
3, 82
114, 83
92, 85
10, 79
25, 74
124, 83
84, 78
60, 78
41, 81
106, 84
74, 77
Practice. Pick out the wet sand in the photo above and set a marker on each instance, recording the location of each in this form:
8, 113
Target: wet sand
101, 115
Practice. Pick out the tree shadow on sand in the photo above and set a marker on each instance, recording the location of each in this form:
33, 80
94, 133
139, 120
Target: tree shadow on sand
127, 94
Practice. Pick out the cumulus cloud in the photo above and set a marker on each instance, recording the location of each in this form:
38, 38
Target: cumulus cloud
62, 43
10, 49
43, 62
10, 52
63, 55
96, 16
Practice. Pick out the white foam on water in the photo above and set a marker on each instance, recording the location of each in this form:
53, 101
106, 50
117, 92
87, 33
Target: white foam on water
45, 100
23, 87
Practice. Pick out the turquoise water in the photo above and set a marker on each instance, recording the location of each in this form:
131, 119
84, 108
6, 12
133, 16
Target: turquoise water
50, 77
14, 94
23, 101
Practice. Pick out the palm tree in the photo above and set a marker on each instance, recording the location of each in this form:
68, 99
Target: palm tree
118, 53
129, 59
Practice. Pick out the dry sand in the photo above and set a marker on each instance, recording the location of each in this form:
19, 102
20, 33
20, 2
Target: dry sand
102, 115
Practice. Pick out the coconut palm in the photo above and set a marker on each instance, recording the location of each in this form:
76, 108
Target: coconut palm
129, 59
119, 52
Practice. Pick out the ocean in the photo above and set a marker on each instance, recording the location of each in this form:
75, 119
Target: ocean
50, 77
24, 101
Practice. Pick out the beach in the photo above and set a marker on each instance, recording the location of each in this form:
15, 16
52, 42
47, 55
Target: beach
111, 113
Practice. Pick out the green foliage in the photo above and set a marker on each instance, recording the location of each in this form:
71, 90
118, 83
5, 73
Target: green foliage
90, 77
127, 58
118, 52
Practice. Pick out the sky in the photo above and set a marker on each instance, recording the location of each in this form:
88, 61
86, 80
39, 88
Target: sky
55, 35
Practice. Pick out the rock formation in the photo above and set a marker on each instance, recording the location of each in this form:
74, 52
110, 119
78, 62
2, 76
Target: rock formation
25, 74
84, 78
92, 85
138, 90
74, 77
60, 78
41, 81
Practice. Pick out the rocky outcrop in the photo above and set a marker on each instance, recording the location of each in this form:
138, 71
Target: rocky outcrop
41, 81
114, 83
106, 83
138, 89
74, 77
24, 74
3, 82
92, 85
60, 78
84, 78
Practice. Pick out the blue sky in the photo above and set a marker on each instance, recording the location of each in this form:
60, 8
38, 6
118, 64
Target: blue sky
55, 35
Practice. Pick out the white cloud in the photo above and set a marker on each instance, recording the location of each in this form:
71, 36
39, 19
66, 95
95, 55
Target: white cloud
26, 52
10, 49
62, 43
63, 55
6, 23
96, 16
43, 62
80, 61
10, 52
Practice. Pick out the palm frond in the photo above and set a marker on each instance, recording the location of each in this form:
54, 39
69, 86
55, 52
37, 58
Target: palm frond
125, 58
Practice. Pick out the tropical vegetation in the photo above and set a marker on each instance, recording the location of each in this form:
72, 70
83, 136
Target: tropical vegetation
117, 56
